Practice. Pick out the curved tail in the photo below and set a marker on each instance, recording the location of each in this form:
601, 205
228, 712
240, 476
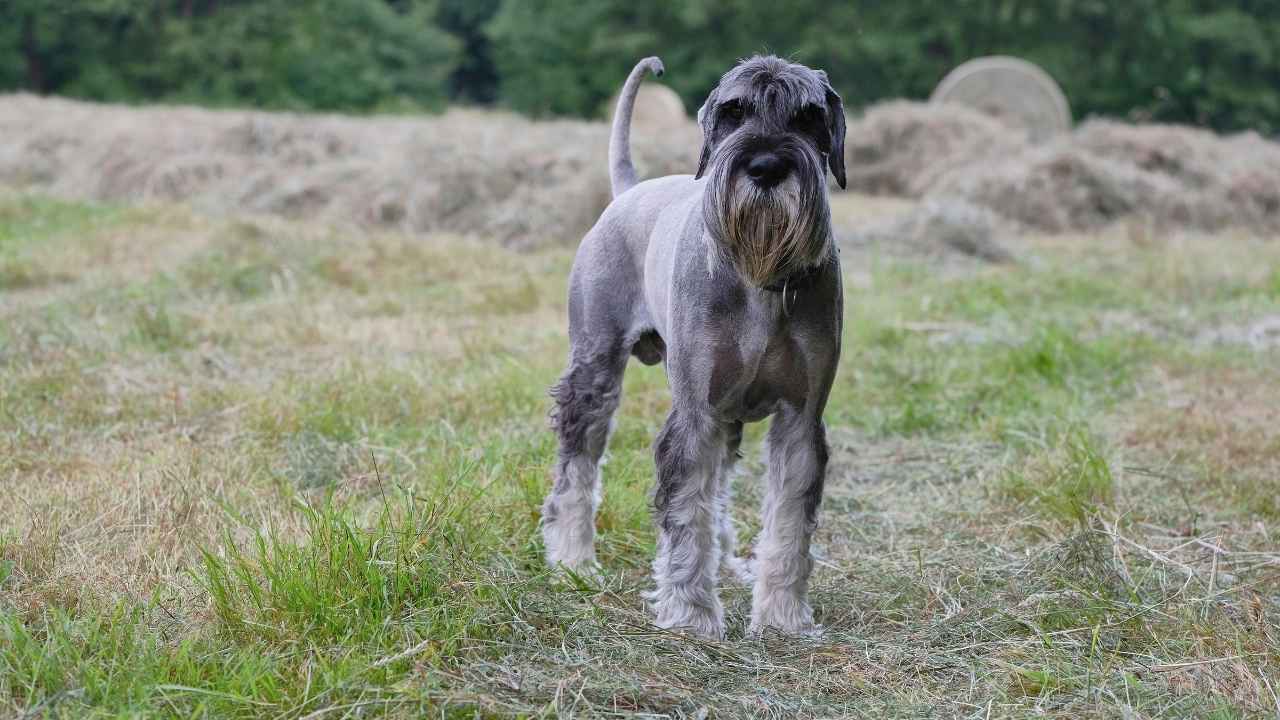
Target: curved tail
622, 174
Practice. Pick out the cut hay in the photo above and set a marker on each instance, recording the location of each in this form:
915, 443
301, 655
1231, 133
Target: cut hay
903, 148
1060, 190
525, 183
1106, 171
496, 175
941, 229
1236, 177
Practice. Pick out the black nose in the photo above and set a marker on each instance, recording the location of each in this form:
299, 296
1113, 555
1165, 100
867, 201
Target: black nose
767, 169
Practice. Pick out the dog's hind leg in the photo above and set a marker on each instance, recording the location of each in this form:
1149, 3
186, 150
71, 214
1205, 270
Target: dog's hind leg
585, 399
738, 567
689, 452
797, 467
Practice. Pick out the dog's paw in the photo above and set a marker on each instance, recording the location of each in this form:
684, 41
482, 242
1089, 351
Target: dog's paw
578, 558
705, 626
654, 599
786, 613
698, 621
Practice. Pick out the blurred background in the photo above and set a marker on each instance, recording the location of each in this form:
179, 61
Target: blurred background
1201, 62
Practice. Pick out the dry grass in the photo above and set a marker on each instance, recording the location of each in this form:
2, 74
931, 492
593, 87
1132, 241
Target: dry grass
1218, 432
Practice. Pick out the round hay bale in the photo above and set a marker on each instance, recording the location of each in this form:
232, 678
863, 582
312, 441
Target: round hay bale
657, 108
1011, 89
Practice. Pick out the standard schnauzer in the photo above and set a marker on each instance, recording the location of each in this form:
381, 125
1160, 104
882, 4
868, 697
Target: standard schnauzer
731, 278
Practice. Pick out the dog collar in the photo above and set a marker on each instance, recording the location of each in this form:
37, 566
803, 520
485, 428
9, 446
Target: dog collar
798, 280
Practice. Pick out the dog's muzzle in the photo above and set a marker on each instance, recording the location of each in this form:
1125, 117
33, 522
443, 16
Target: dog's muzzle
767, 169
765, 206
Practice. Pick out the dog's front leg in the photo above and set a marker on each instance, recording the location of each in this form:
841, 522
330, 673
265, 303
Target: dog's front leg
688, 452
797, 467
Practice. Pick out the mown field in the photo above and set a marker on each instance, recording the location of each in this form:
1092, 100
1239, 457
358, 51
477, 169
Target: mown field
263, 468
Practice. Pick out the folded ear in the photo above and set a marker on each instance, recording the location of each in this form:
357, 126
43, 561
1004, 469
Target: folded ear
836, 128
706, 123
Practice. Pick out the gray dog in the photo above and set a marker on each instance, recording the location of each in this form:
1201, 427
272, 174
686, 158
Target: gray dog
731, 278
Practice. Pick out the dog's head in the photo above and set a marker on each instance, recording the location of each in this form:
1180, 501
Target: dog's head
770, 129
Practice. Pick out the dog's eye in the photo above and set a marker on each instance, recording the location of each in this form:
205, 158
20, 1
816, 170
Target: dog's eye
732, 111
810, 117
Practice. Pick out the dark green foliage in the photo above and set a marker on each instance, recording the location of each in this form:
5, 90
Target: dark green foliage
1189, 61
475, 79
1192, 61
326, 54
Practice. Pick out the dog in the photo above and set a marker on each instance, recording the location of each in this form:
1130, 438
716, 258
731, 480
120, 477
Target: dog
732, 279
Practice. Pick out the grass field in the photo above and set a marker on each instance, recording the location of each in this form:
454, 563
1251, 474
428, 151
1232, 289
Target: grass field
258, 468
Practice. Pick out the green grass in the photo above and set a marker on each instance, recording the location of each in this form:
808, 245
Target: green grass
29, 219
26, 219
998, 354
261, 469
1070, 484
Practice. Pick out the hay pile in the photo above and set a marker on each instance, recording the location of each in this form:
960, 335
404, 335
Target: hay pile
530, 183
1102, 172
903, 148
941, 229
496, 175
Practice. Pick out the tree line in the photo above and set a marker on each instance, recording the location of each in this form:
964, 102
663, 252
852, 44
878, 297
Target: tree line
1203, 62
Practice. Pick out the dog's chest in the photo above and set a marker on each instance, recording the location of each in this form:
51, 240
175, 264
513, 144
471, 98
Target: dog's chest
750, 377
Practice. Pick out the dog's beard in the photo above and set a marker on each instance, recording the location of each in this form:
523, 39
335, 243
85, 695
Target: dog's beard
767, 234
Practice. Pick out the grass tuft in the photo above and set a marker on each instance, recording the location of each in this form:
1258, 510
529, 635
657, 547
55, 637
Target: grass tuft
342, 585
1070, 483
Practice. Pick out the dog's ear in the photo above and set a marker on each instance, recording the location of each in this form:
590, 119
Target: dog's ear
836, 128
707, 124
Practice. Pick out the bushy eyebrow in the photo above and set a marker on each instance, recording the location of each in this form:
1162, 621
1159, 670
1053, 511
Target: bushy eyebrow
808, 107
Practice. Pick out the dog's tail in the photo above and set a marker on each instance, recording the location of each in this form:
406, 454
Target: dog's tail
622, 173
